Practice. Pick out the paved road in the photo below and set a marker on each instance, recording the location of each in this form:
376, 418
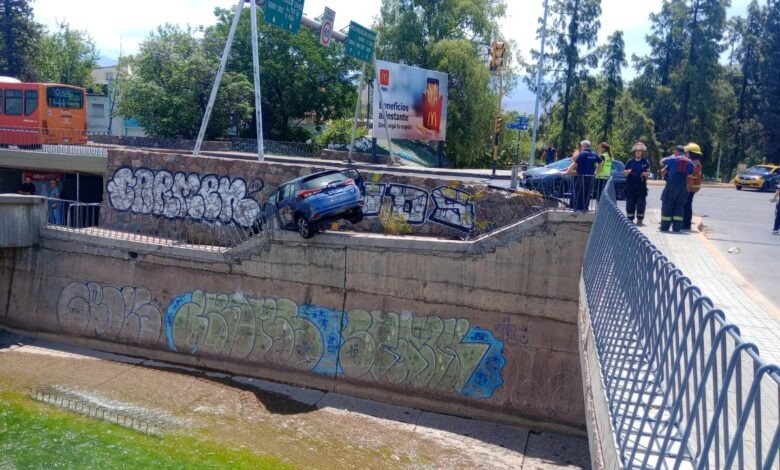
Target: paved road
743, 220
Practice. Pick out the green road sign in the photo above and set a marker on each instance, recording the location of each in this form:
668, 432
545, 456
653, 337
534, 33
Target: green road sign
360, 42
285, 14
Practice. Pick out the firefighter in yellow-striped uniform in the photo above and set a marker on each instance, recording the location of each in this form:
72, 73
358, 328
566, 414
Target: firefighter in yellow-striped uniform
693, 152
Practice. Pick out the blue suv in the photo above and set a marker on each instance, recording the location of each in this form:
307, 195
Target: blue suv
308, 202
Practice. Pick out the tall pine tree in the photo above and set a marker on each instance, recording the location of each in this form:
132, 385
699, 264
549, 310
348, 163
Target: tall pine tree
743, 127
18, 37
572, 38
770, 82
614, 60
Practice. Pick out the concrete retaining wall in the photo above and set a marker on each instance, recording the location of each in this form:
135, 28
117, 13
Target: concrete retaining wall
483, 329
20, 220
160, 191
603, 446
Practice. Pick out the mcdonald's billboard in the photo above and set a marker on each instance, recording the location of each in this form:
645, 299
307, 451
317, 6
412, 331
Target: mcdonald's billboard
413, 101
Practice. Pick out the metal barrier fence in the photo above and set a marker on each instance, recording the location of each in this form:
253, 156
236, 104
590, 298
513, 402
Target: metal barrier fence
53, 141
77, 217
684, 389
289, 149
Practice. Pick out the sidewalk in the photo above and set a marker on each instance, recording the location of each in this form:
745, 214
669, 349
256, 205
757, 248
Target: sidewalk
305, 428
757, 318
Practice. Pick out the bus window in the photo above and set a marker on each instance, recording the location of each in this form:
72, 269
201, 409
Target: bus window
30, 102
1, 101
13, 102
64, 97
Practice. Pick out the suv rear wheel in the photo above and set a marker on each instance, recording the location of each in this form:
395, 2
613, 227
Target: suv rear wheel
356, 216
304, 227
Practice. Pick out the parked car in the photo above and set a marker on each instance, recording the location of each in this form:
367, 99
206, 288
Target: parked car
306, 203
760, 177
551, 180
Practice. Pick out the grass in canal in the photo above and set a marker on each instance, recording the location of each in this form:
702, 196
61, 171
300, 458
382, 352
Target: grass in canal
33, 435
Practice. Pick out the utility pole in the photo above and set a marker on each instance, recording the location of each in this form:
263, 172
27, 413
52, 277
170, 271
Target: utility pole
538, 89
497, 64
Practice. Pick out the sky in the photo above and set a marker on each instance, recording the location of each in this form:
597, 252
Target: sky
122, 25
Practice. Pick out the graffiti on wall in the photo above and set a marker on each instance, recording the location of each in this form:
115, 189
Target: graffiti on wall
452, 207
429, 352
124, 314
207, 198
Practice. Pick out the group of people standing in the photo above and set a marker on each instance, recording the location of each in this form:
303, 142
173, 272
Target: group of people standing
682, 171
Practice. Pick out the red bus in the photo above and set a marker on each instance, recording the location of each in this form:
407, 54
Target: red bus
33, 114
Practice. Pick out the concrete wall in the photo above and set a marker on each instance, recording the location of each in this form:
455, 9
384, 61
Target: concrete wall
483, 329
601, 436
21, 218
163, 190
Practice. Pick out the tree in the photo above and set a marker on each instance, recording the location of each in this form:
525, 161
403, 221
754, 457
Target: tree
770, 82
65, 56
471, 107
614, 61
170, 85
575, 25
299, 76
701, 73
18, 36
744, 129
450, 36
653, 87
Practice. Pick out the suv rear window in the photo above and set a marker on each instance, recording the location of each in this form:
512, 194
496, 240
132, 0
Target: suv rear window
323, 180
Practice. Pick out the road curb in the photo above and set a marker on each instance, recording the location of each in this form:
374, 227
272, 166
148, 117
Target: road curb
730, 270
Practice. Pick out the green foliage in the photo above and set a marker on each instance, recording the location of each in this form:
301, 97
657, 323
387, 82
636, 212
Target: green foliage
37, 436
614, 60
299, 76
572, 39
770, 81
18, 37
65, 56
471, 107
681, 78
450, 36
169, 88
339, 132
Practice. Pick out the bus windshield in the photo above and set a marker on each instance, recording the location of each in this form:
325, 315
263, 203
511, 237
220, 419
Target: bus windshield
64, 97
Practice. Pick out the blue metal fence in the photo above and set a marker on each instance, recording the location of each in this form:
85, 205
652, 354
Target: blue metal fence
684, 389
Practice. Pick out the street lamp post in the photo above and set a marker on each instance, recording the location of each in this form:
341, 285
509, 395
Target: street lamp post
538, 89
497, 64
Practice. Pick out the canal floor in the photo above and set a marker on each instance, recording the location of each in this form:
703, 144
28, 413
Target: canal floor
301, 427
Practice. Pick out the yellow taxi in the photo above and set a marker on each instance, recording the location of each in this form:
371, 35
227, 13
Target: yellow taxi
761, 177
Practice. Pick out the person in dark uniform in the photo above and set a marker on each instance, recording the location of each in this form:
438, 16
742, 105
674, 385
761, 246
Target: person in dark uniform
27, 188
585, 163
637, 171
549, 155
677, 168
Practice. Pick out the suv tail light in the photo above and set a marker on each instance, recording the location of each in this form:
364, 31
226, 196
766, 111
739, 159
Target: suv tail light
308, 192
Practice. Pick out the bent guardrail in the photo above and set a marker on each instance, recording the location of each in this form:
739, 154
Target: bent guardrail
683, 388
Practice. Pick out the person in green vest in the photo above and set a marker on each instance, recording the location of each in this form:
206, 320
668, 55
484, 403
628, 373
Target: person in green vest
606, 169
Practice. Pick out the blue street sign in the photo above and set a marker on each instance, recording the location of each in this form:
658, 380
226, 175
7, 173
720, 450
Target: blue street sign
521, 124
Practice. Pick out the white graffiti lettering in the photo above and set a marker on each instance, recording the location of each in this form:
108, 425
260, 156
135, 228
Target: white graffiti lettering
209, 198
114, 313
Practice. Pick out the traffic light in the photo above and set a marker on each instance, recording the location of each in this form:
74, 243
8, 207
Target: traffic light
499, 124
497, 55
